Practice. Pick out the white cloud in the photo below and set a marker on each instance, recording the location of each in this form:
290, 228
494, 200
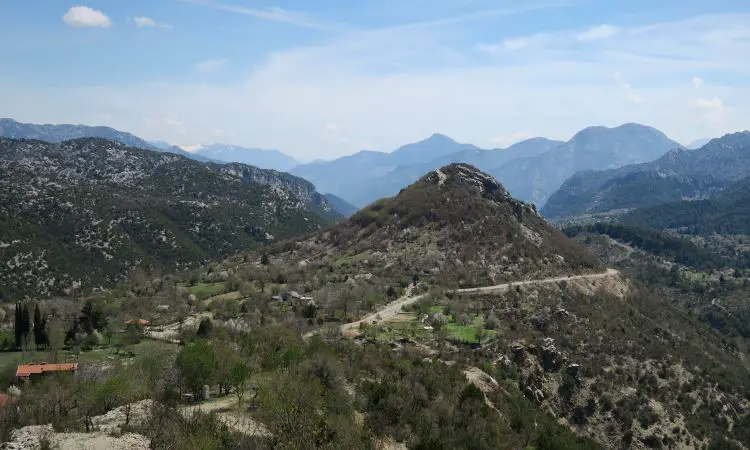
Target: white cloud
147, 22
83, 16
713, 103
634, 98
697, 82
211, 65
599, 32
141, 22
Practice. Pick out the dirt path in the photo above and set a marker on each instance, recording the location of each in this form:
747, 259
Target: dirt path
226, 410
512, 284
392, 309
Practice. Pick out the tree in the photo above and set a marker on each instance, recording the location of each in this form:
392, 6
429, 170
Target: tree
238, 375
40, 329
196, 364
205, 328
264, 259
133, 334
290, 407
18, 326
480, 334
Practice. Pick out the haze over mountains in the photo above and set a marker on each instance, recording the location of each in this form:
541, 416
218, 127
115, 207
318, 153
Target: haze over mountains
531, 170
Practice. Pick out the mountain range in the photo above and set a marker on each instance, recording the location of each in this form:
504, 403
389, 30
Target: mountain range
88, 211
678, 175
266, 159
531, 170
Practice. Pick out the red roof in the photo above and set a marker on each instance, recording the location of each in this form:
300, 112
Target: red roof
141, 321
26, 370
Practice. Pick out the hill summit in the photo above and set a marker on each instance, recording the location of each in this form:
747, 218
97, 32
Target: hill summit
456, 225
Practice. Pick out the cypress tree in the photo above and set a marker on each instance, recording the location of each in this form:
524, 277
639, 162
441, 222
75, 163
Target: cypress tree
17, 326
40, 332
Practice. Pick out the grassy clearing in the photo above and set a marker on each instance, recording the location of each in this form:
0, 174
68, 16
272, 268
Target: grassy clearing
468, 333
205, 290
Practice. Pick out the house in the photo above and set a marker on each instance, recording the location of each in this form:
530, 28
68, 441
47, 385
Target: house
142, 322
31, 371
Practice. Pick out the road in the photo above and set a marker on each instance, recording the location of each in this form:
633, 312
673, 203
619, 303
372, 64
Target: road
392, 309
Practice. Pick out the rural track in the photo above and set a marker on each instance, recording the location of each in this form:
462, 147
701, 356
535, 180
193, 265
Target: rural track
392, 309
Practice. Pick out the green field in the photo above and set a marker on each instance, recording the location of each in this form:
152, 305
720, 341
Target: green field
205, 290
468, 333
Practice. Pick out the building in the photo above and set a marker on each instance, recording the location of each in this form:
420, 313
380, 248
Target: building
142, 322
32, 371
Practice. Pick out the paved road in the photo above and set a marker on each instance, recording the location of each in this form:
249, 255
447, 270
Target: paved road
392, 309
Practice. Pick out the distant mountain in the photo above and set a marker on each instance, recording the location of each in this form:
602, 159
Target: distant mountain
86, 212
343, 207
265, 159
11, 129
594, 148
169, 148
429, 149
678, 175
367, 176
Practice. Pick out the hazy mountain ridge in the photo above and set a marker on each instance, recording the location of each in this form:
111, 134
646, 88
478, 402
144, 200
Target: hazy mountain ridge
265, 159
87, 211
593, 148
530, 169
679, 174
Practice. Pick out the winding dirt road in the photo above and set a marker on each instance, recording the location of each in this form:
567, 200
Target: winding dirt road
392, 309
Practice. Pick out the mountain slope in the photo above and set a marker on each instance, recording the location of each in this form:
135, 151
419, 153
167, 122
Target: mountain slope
457, 225
11, 129
595, 148
679, 174
265, 159
727, 213
343, 207
86, 212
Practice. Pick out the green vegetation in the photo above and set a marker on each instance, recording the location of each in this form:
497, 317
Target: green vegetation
204, 290
658, 243
89, 211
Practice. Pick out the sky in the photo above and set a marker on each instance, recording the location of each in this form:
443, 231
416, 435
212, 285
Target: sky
326, 78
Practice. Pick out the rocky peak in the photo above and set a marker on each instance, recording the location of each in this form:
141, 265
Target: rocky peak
467, 175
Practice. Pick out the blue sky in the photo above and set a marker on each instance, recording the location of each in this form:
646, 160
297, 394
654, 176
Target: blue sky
320, 79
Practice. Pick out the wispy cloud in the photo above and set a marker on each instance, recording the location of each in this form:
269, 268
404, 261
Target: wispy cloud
274, 14
85, 17
598, 32
211, 65
697, 82
486, 14
147, 22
